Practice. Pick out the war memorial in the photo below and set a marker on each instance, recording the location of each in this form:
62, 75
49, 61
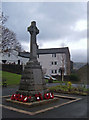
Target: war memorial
32, 80
32, 86
32, 96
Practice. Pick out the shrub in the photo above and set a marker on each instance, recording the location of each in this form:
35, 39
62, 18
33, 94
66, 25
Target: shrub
74, 77
69, 84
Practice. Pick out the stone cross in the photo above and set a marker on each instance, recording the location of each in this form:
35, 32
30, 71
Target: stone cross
32, 80
33, 30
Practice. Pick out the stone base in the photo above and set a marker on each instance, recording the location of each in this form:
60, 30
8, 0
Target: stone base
31, 93
38, 106
32, 80
31, 104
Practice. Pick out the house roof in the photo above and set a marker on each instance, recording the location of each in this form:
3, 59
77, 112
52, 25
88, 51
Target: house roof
46, 51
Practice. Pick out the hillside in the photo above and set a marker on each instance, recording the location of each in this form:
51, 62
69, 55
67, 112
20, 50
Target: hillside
78, 65
82, 73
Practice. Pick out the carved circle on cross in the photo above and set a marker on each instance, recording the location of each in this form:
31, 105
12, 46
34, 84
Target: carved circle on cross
33, 29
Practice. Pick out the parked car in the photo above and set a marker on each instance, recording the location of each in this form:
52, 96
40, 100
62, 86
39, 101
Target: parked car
49, 77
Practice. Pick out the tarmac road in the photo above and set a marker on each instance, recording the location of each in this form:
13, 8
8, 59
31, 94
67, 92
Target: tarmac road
73, 110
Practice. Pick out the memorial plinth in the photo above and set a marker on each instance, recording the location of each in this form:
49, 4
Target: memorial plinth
32, 80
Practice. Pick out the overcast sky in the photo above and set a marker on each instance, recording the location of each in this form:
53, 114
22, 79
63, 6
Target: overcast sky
60, 24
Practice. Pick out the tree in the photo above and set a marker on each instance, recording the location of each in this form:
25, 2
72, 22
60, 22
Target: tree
61, 70
8, 41
62, 67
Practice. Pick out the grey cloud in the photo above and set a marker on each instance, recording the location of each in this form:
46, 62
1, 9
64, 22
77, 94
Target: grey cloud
53, 20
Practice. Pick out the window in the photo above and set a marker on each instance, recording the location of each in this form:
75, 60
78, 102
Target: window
55, 71
51, 71
38, 55
53, 55
8, 54
55, 62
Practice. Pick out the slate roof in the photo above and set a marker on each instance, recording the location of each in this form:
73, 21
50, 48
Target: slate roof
46, 51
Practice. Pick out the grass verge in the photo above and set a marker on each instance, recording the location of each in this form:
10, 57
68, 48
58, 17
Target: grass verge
11, 78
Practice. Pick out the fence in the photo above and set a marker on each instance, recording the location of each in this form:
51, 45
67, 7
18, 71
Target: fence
14, 68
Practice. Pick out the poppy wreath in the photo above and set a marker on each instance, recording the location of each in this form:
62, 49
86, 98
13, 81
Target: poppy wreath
40, 96
21, 98
47, 96
25, 99
15, 97
37, 96
51, 95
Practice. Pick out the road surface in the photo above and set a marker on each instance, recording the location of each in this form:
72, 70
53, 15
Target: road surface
73, 110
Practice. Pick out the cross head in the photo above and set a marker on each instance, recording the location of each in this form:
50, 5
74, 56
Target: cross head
33, 29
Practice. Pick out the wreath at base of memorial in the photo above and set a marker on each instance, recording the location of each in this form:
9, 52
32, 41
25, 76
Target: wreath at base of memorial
36, 97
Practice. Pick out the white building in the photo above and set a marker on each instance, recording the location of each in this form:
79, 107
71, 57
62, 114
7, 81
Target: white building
50, 59
12, 57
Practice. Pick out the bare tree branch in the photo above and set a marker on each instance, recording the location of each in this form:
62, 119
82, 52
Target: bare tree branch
8, 40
